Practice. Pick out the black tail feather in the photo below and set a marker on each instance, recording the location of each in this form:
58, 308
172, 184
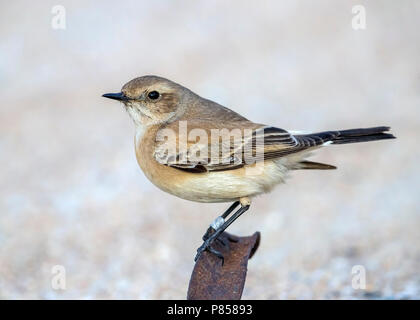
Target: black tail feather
354, 135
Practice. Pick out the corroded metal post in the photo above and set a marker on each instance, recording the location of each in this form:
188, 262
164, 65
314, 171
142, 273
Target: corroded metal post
212, 281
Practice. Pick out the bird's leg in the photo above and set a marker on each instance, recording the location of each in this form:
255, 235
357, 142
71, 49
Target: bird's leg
219, 221
217, 231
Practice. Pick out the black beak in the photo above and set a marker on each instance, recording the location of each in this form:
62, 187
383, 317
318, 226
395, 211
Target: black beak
116, 96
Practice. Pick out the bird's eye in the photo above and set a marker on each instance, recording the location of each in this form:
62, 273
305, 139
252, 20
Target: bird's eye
153, 95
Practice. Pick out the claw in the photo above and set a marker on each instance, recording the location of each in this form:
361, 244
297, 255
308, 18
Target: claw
206, 246
201, 249
221, 241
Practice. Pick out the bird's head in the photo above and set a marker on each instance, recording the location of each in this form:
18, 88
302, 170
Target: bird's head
151, 99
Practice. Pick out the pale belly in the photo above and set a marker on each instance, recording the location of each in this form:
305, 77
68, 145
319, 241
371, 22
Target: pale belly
221, 186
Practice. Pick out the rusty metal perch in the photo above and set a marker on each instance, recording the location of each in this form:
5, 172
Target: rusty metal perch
212, 281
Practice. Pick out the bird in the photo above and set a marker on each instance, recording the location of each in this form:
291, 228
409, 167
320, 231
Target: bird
199, 150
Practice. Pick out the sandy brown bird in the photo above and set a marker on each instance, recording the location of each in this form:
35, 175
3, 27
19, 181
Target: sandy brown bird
199, 150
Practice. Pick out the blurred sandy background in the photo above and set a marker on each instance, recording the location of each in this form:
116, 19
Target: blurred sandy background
73, 195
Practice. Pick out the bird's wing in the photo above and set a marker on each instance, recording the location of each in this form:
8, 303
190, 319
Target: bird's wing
203, 146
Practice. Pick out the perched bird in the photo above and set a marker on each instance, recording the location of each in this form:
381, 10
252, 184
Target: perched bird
199, 150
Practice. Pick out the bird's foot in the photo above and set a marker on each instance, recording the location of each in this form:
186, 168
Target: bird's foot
211, 231
206, 246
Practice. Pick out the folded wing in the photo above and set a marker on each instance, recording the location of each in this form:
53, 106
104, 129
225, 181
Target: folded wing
205, 146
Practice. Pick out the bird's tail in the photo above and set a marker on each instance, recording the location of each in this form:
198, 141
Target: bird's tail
342, 137
353, 135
